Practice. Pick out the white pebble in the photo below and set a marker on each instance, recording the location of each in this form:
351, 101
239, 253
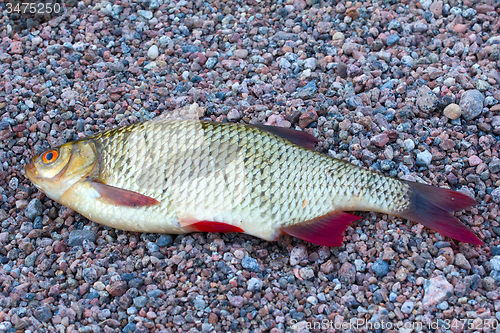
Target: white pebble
153, 52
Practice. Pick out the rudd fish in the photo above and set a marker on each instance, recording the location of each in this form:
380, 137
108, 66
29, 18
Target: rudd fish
182, 176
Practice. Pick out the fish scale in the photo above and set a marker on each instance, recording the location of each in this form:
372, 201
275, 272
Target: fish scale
184, 175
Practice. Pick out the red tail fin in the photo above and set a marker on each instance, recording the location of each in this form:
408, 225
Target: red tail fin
431, 205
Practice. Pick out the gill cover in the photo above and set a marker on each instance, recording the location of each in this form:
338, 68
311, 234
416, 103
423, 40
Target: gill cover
57, 169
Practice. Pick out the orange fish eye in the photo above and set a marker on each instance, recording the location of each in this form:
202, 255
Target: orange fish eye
50, 156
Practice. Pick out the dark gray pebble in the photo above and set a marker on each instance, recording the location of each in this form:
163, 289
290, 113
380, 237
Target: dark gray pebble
90, 274
392, 39
38, 224
76, 237
129, 328
471, 104
34, 209
250, 264
152, 247
164, 240
190, 49
380, 268
140, 301
43, 313
136, 282
199, 303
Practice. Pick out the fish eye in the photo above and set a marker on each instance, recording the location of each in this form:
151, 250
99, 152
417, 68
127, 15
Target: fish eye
50, 156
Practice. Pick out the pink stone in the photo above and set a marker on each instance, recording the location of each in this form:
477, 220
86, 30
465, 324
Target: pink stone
380, 140
437, 290
16, 48
307, 118
474, 160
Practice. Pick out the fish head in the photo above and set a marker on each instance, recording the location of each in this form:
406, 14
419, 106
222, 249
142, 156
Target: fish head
57, 169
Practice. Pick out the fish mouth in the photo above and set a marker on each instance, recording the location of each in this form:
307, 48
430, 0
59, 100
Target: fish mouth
30, 170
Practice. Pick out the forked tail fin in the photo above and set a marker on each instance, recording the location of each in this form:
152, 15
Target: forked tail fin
431, 206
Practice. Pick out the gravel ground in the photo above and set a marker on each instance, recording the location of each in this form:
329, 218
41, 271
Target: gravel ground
409, 89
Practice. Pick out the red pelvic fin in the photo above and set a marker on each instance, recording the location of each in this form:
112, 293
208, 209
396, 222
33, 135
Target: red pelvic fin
299, 138
326, 230
431, 206
120, 197
211, 226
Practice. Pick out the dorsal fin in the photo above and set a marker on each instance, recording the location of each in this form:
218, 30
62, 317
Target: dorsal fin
302, 139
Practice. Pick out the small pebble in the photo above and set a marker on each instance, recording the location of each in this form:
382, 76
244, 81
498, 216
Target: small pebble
452, 111
153, 52
471, 104
34, 209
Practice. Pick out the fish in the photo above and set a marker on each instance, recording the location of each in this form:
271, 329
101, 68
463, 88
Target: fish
182, 176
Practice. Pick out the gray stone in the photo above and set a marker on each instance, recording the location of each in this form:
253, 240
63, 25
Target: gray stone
407, 307
254, 284
152, 247
154, 293
420, 27
495, 263
207, 327
482, 85
30, 260
129, 328
360, 265
147, 14
53, 49
407, 61
76, 237
307, 92
250, 264
140, 301
392, 39
211, 62
34, 209
43, 313
471, 104
394, 25
495, 195
424, 158
310, 63
199, 303
116, 66
284, 63
426, 100
298, 254
233, 115
380, 268
164, 240
442, 306
494, 165
190, 49
90, 274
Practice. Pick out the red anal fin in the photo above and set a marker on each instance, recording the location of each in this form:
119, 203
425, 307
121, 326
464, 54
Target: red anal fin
211, 226
326, 230
431, 206
302, 139
120, 197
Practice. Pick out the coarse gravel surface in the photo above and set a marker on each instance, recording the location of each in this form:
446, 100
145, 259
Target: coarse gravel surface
409, 89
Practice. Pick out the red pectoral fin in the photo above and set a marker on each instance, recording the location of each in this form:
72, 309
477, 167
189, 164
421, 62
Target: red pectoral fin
120, 197
210, 226
326, 230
